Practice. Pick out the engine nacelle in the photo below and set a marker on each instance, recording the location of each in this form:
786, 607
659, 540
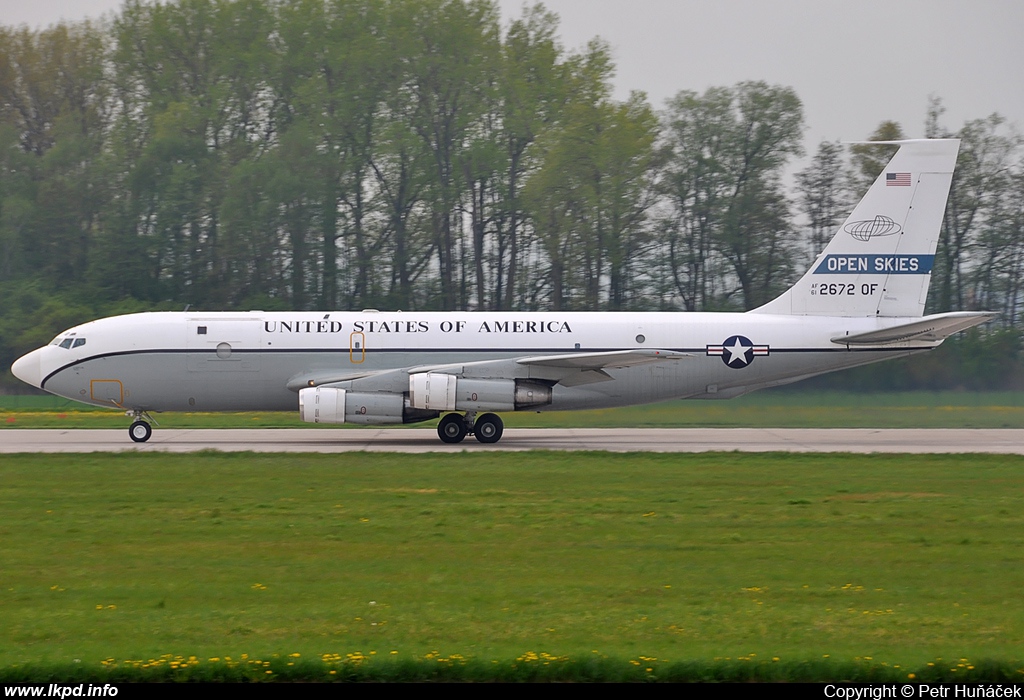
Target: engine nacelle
432, 391
324, 404
446, 392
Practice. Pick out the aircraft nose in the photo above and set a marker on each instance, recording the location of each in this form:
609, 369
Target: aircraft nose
27, 368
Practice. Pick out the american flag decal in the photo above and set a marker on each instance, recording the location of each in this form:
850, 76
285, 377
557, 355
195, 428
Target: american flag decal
897, 179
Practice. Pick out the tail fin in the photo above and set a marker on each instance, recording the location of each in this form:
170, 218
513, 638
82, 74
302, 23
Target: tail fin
879, 263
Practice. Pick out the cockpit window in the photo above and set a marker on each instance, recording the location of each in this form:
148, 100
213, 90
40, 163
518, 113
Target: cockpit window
79, 342
66, 343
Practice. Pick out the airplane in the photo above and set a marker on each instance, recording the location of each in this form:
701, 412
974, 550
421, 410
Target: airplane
861, 301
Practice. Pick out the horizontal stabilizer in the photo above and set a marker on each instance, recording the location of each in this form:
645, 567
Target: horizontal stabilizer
930, 329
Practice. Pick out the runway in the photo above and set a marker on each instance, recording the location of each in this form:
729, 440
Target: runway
860, 440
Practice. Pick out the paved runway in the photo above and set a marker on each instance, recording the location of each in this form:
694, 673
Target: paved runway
861, 440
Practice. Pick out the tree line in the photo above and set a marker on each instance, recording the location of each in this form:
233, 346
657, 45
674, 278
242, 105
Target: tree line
422, 154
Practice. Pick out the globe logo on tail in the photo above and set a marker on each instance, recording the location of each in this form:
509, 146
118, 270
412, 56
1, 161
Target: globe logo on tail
872, 228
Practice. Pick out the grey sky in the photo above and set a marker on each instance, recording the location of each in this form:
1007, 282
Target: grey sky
854, 63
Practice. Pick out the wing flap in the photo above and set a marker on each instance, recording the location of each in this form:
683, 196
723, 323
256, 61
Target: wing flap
930, 329
615, 359
585, 376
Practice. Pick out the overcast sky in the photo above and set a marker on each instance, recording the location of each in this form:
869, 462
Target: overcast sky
854, 63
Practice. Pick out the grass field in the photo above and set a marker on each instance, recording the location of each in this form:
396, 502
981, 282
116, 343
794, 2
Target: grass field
763, 409
880, 561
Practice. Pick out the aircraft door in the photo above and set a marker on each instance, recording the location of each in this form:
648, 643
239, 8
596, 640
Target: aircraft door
108, 391
356, 347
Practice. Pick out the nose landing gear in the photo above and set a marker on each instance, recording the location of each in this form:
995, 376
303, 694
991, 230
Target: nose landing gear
454, 428
140, 429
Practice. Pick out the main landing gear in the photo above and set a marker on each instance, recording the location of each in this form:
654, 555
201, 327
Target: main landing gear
140, 430
454, 428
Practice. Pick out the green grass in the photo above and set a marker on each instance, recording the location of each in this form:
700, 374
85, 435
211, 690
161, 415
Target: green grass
727, 560
759, 410
525, 668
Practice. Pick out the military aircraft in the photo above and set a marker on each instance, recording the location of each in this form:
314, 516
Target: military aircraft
861, 301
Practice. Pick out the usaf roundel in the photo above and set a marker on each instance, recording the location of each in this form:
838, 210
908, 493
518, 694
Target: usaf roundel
737, 351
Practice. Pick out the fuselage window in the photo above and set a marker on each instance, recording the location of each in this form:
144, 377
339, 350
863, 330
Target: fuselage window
79, 342
66, 343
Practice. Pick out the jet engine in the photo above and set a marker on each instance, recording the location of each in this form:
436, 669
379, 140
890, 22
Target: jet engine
325, 404
446, 392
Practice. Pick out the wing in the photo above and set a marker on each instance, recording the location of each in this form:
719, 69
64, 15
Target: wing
324, 378
615, 359
570, 369
930, 329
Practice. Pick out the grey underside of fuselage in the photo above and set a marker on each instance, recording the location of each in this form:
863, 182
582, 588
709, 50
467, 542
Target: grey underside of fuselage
175, 381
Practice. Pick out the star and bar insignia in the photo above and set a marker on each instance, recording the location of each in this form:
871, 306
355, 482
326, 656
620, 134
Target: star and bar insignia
737, 351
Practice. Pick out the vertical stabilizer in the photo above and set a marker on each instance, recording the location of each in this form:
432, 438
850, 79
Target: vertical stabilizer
879, 262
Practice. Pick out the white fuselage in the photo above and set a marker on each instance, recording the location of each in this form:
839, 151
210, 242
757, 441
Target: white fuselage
259, 360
